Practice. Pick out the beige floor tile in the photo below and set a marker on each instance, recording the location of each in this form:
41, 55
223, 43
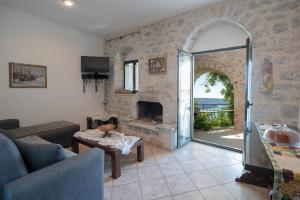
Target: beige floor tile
108, 180
246, 192
208, 168
201, 154
128, 165
209, 163
149, 147
215, 193
226, 174
107, 193
180, 184
203, 179
171, 169
192, 165
166, 198
149, 160
194, 195
125, 192
149, 173
160, 151
233, 155
154, 189
218, 151
202, 147
127, 176
238, 168
165, 157
183, 154
228, 161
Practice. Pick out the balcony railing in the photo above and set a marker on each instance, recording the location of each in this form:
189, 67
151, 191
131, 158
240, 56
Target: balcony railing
209, 116
212, 107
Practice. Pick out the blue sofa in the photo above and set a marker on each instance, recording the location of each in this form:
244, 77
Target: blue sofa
79, 177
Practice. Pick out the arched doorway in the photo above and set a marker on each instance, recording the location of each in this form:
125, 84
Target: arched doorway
230, 63
215, 109
200, 41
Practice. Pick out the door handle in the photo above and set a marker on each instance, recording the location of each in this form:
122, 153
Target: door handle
248, 104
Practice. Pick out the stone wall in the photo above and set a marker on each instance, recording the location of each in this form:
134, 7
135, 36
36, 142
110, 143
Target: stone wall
274, 28
232, 64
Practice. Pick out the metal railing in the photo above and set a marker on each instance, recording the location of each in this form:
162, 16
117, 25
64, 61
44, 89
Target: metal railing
213, 115
212, 107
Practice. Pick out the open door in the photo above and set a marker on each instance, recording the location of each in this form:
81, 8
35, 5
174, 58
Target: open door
255, 159
248, 104
185, 100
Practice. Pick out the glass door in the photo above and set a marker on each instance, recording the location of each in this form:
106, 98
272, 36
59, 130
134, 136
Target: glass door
248, 104
185, 106
255, 156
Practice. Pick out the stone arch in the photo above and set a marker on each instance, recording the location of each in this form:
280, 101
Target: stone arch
238, 83
192, 37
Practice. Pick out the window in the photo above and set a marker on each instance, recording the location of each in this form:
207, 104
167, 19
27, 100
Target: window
131, 70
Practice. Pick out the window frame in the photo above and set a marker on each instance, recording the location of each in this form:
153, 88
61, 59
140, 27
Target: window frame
134, 62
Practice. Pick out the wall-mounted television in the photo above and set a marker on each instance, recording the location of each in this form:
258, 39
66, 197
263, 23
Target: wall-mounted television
90, 64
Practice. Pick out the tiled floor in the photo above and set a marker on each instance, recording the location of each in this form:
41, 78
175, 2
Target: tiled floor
194, 172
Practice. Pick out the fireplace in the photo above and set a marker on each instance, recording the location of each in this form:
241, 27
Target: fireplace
150, 112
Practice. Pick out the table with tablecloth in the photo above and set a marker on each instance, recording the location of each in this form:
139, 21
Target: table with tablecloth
286, 163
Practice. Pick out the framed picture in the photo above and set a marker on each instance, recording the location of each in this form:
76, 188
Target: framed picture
157, 66
27, 76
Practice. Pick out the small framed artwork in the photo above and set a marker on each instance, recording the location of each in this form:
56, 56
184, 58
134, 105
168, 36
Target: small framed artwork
157, 66
27, 76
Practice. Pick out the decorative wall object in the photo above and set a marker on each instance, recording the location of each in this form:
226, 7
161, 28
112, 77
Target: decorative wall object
27, 76
157, 66
267, 76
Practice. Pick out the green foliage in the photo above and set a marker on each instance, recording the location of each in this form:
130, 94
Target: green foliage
227, 91
202, 121
208, 120
196, 105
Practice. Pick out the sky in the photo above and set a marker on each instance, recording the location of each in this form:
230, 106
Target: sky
199, 89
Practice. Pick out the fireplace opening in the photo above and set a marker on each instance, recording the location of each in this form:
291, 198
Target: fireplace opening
150, 112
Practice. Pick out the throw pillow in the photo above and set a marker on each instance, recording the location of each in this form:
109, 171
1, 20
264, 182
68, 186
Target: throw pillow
38, 156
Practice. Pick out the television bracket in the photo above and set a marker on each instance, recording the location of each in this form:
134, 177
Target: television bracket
88, 77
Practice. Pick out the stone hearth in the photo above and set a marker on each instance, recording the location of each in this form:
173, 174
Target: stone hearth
161, 135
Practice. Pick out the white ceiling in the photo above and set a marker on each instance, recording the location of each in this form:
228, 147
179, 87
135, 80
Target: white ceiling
105, 18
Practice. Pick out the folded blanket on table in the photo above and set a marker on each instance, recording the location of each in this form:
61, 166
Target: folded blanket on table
127, 142
116, 140
90, 134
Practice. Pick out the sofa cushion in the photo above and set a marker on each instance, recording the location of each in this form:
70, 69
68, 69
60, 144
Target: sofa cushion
38, 155
12, 165
33, 139
39, 140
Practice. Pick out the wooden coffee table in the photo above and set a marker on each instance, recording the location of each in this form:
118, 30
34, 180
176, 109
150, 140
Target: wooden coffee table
115, 154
